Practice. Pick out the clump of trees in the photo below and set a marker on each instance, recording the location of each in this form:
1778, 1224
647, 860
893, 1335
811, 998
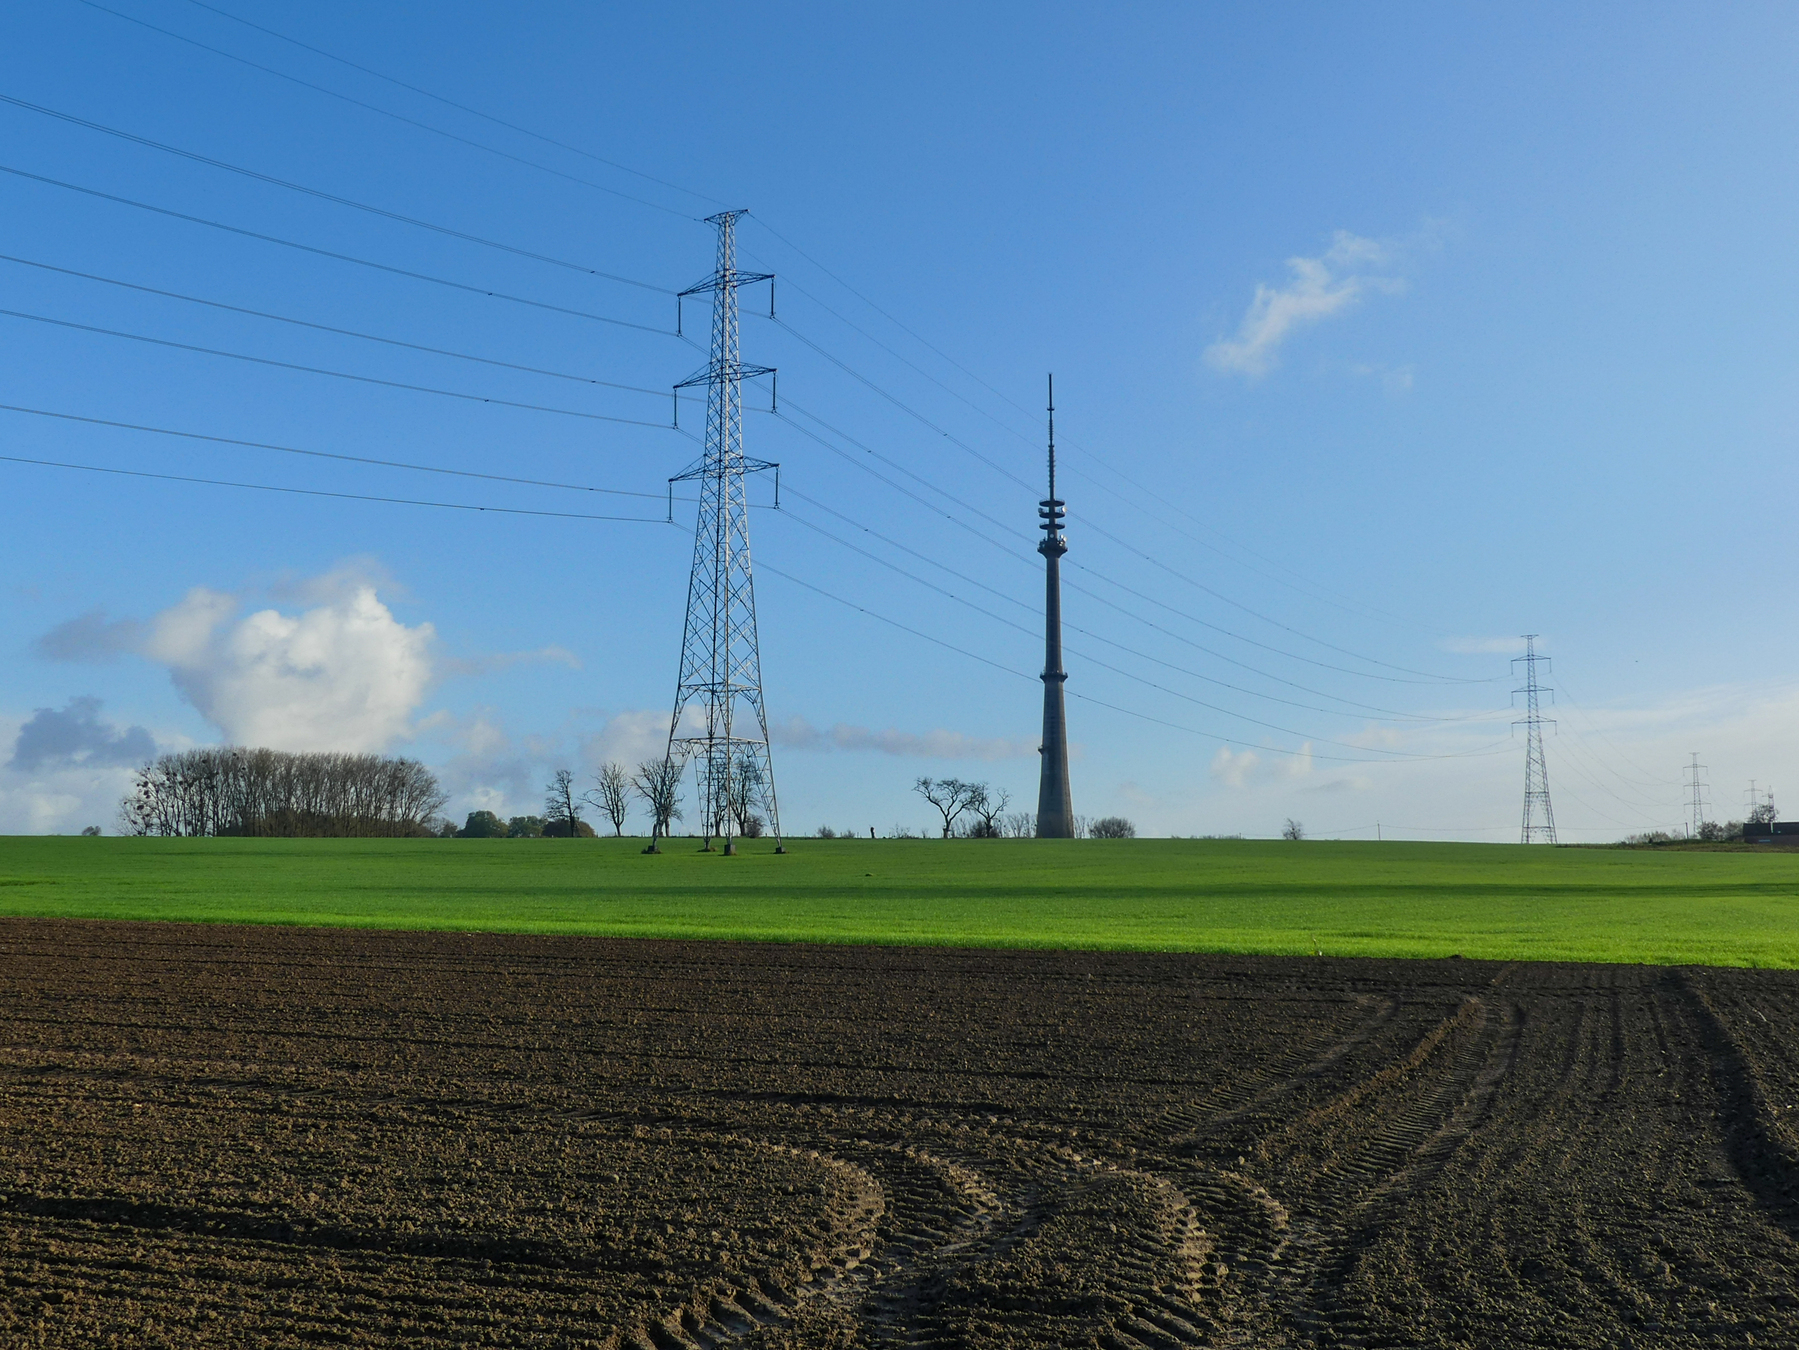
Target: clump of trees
232, 790
978, 811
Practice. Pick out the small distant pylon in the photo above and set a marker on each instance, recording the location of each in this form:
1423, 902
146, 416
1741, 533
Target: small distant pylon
1697, 788
1539, 815
721, 660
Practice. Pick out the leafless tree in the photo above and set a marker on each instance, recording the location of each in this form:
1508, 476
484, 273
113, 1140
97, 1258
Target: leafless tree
1113, 827
562, 807
658, 782
951, 797
1019, 824
231, 790
989, 806
611, 794
1293, 829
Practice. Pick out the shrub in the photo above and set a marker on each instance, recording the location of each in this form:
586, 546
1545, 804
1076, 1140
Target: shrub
558, 829
1112, 827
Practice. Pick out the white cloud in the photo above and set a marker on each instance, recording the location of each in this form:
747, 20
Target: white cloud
1319, 288
1245, 768
1484, 646
344, 675
796, 733
1234, 768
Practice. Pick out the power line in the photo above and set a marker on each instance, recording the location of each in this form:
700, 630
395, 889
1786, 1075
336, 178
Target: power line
485, 291
332, 197
319, 492
1308, 588
1396, 755
451, 103
384, 112
1360, 708
1011, 552
478, 145
1097, 702
324, 454
328, 328
335, 374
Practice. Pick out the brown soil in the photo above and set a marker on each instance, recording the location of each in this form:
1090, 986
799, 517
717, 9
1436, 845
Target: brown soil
277, 1137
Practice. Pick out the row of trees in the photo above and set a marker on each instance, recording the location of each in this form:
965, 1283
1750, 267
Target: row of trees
657, 783
978, 811
231, 790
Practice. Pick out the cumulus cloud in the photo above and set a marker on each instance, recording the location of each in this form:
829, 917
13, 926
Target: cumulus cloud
1318, 288
796, 733
343, 675
75, 736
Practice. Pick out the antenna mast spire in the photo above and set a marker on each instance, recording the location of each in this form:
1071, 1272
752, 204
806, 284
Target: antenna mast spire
1055, 809
721, 660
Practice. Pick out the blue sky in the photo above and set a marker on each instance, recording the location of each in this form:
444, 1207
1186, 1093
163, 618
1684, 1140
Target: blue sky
1380, 336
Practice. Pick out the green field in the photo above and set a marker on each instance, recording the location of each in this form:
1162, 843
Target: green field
1365, 899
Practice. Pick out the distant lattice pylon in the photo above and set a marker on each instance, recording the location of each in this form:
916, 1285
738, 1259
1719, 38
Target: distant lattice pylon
1539, 814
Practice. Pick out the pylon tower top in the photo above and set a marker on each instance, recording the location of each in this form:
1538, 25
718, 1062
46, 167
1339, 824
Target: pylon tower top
720, 722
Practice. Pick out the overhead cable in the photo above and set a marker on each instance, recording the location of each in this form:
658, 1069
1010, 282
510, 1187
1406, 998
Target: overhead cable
327, 328
451, 103
319, 492
335, 374
384, 112
332, 197
488, 292
323, 454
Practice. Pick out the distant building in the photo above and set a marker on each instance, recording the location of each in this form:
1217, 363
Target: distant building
1771, 832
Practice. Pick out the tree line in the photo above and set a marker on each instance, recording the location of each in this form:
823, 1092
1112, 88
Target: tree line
231, 790
978, 811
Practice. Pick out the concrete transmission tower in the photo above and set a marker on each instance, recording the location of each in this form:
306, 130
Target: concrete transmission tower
719, 693
1539, 815
1055, 807
1697, 788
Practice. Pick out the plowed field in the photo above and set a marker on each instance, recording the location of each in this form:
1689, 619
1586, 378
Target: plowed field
282, 1137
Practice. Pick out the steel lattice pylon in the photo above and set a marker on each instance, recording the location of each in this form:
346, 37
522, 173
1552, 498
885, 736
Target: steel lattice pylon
721, 665
1539, 815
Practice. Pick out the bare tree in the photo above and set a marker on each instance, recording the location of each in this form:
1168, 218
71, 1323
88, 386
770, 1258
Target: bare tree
988, 806
611, 794
658, 782
1019, 824
951, 797
1113, 827
1293, 829
561, 807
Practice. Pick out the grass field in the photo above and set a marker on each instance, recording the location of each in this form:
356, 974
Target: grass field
1362, 899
